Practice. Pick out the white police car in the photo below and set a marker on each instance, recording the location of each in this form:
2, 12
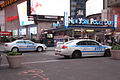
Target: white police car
82, 47
24, 45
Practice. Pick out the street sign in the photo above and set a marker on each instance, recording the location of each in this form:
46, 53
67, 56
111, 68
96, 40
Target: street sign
66, 20
115, 21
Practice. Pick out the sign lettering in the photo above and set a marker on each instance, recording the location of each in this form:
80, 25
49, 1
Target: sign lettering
11, 18
7, 3
5, 33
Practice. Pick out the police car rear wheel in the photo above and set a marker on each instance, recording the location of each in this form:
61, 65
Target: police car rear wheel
76, 54
15, 49
39, 49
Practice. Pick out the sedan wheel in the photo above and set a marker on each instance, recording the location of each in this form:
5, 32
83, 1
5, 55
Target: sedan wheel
15, 49
39, 49
107, 53
76, 54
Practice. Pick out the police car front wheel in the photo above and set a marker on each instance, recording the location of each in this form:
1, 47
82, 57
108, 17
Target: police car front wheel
39, 49
107, 53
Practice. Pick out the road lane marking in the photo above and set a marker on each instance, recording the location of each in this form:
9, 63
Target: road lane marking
40, 62
35, 62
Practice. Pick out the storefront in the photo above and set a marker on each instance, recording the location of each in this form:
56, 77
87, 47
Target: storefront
5, 36
83, 28
17, 22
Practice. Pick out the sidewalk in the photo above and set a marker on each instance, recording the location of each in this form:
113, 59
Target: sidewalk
1, 48
48, 48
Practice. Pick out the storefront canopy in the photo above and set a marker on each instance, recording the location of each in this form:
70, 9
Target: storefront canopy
83, 26
90, 26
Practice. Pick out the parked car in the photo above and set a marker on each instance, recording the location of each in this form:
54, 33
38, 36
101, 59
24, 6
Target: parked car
82, 47
24, 45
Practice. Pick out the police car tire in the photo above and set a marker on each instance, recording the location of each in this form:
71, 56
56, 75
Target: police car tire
76, 54
107, 53
40, 49
15, 49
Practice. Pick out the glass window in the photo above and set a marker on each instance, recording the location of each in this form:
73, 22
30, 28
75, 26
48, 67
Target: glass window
28, 42
87, 43
20, 42
82, 43
92, 43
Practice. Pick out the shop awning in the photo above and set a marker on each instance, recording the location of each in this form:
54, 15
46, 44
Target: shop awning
82, 26
90, 26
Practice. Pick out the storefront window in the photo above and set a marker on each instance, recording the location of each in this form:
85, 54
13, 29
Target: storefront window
22, 31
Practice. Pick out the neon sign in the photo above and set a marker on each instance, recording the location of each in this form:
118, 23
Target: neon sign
81, 21
7, 3
115, 22
11, 18
5, 33
91, 21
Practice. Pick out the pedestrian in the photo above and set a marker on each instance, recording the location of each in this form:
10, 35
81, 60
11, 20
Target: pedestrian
99, 40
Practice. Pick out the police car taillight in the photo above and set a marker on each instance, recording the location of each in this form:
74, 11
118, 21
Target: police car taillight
6, 45
64, 47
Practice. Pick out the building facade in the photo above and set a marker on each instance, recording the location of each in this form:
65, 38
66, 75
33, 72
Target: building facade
13, 19
78, 8
114, 6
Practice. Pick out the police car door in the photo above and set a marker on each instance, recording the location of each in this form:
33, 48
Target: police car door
95, 48
85, 48
21, 45
30, 46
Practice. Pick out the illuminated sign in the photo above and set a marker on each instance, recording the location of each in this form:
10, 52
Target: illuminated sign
81, 21
66, 20
11, 18
91, 21
115, 21
22, 12
7, 3
48, 7
5, 33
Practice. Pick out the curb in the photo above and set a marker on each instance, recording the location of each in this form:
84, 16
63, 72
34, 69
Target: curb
50, 50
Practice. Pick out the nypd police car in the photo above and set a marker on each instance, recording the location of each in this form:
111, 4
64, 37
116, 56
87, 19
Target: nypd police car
24, 45
82, 47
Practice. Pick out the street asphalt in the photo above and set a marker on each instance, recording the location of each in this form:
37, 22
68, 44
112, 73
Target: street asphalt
47, 66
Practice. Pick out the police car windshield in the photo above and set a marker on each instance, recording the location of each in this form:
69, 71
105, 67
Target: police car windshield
71, 41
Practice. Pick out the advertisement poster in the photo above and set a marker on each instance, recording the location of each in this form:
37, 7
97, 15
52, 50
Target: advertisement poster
22, 11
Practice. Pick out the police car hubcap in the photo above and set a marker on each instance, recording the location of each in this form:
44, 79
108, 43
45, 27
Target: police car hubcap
15, 50
39, 49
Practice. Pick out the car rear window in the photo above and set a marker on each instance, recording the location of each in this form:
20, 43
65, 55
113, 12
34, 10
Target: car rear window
21, 42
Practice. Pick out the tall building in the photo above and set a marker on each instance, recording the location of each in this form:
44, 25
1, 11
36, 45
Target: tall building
78, 8
114, 6
2, 19
115, 10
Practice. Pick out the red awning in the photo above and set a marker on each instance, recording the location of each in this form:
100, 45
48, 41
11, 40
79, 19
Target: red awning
5, 33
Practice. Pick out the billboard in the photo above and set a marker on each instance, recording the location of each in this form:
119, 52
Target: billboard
22, 12
49, 7
94, 7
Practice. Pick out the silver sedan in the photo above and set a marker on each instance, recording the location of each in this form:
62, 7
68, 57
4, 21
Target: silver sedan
24, 45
